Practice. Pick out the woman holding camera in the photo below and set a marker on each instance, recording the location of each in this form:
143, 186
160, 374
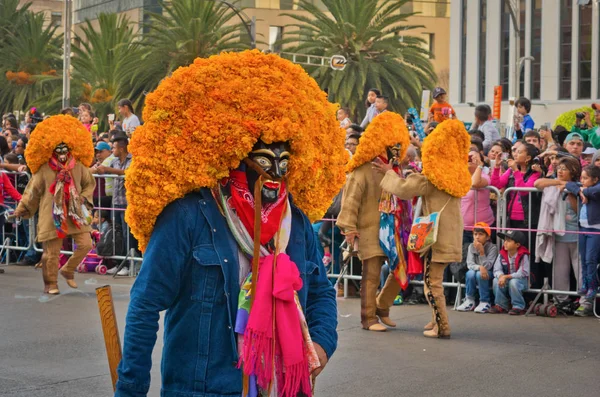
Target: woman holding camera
523, 208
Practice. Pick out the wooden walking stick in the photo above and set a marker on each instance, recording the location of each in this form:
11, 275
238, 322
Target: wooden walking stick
112, 339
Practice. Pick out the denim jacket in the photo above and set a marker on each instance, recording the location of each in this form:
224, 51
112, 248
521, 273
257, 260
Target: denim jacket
190, 269
593, 195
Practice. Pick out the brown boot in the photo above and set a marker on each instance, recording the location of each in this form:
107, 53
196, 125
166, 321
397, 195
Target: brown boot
377, 328
387, 321
384, 316
70, 278
434, 333
51, 289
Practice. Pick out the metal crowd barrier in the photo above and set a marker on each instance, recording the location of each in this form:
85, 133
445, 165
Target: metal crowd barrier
129, 254
16, 239
502, 222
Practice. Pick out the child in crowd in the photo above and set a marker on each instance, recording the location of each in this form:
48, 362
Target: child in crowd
480, 260
343, 116
86, 119
440, 110
589, 243
526, 123
511, 272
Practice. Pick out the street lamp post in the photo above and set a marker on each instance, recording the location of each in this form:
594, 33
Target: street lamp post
68, 18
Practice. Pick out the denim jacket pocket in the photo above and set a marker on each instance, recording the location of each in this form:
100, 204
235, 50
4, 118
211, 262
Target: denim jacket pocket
208, 283
309, 269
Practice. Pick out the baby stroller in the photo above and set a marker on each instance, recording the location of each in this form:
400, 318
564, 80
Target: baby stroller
92, 262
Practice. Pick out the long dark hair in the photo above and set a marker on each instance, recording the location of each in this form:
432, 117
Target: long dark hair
376, 91
4, 149
532, 152
593, 172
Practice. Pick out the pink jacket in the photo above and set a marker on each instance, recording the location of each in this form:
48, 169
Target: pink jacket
502, 181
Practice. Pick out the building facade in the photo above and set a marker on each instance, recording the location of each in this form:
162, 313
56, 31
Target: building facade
52, 9
271, 25
562, 36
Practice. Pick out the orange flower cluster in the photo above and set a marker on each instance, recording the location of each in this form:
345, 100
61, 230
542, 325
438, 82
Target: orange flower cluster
101, 95
20, 78
53, 131
386, 130
207, 117
445, 155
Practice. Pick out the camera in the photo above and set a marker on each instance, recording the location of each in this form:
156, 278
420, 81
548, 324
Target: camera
580, 115
537, 161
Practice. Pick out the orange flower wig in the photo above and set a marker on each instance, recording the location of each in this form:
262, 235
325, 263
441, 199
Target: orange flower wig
386, 130
55, 130
445, 155
202, 121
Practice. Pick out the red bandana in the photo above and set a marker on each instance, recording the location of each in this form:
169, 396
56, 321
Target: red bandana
242, 201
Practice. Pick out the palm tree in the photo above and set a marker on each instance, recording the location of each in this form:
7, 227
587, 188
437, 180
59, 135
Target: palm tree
31, 57
186, 30
102, 64
375, 40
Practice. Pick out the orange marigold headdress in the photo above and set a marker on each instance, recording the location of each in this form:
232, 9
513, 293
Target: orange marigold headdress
386, 130
204, 119
53, 131
445, 155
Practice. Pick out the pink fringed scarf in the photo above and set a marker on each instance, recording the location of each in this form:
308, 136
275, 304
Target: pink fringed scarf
276, 339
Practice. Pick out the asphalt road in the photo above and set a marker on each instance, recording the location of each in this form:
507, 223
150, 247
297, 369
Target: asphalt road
54, 347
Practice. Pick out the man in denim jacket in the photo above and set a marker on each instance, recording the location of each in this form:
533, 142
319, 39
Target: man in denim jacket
195, 264
191, 270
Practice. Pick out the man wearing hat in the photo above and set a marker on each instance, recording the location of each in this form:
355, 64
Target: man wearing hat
590, 133
440, 110
511, 274
574, 144
587, 155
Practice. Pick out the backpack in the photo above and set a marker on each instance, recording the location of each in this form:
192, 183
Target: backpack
107, 242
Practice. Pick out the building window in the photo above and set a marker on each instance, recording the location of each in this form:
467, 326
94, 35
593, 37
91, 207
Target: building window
482, 48
522, 32
429, 44
536, 49
275, 35
505, 48
56, 19
566, 34
585, 53
463, 54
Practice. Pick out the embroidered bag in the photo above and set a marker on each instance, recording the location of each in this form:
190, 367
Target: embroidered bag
424, 230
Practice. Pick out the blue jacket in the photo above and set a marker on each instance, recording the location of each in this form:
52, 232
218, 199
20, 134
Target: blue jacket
593, 195
190, 269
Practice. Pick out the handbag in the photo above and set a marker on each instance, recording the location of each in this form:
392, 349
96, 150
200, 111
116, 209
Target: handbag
424, 231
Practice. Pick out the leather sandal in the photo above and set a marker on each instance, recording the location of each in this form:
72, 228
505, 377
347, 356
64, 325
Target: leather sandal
429, 326
70, 279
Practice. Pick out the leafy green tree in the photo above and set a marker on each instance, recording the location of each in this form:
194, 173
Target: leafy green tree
103, 63
376, 41
31, 57
186, 30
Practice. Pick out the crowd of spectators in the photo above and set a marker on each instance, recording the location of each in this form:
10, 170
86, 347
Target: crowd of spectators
552, 228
